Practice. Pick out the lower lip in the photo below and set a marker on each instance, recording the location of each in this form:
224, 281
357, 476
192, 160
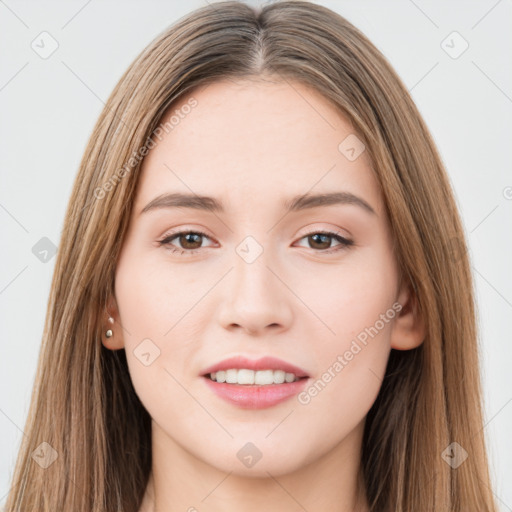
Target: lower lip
256, 397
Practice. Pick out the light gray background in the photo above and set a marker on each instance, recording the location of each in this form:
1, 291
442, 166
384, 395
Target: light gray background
49, 106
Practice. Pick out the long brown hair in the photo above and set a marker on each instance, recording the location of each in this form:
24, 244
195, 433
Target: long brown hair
84, 409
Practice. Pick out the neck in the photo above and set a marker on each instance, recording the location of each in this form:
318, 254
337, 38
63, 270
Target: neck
180, 481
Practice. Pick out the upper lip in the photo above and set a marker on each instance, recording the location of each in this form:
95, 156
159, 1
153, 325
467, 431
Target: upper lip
264, 363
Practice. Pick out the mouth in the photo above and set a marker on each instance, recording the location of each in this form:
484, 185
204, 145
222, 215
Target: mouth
247, 377
255, 384
262, 372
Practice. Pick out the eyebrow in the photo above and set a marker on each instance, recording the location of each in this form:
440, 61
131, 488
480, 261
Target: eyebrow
297, 203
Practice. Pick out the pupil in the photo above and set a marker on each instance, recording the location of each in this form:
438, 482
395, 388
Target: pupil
323, 236
191, 235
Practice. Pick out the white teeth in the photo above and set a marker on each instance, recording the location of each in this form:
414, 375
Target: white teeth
231, 376
263, 377
245, 377
260, 377
279, 376
289, 377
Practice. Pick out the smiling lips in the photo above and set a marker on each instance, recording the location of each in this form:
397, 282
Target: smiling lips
255, 384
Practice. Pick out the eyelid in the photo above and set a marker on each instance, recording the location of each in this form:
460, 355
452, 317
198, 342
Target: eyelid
186, 229
330, 229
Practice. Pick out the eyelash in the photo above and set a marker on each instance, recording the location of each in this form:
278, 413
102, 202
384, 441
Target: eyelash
344, 242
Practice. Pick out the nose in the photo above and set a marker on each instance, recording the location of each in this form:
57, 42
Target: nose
256, 298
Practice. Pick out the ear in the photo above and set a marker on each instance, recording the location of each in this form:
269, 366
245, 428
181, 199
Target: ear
408, 330
114, 342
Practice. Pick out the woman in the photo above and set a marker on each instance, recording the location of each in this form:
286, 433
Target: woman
262, 296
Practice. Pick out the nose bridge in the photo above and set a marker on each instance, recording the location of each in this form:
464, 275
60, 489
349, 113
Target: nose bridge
252, 280
256, 298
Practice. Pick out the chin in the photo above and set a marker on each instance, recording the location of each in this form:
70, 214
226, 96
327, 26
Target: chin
257, 459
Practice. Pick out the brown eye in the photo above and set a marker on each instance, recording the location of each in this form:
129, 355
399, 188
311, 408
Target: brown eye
322, 241
189, 242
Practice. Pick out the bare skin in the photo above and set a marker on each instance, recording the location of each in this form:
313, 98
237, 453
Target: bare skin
254, 145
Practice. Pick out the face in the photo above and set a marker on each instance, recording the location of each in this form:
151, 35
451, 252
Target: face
315, 285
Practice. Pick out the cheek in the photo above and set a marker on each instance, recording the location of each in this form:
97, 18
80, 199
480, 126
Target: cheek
350, 369
153, 301
350, 296
351, 354
152, 296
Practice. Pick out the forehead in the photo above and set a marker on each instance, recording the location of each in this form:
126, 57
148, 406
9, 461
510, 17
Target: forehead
249, 139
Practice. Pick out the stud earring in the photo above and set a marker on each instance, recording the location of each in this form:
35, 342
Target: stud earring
109, 332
